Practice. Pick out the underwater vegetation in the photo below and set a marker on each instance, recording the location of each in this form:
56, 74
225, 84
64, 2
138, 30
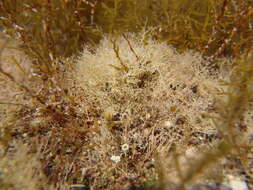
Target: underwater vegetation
125, 94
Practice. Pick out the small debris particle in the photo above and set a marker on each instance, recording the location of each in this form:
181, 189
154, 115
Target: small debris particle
194, 89
125, 147
79, 187
115, 159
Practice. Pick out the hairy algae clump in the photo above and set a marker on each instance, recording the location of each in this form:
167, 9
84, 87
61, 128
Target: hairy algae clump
151, 97
158, 81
